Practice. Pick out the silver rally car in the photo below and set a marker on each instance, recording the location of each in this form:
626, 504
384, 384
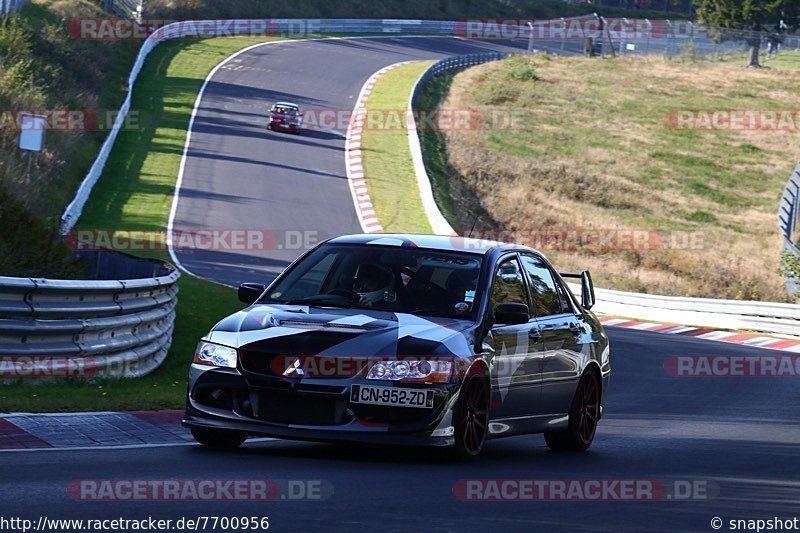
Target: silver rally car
405, 339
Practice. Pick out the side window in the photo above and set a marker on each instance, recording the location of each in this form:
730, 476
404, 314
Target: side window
564, 296
545, 297
508, 285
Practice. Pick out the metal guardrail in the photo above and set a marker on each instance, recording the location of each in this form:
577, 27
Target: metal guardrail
438, 222
102, 327
763, 317
10, 6
788, 221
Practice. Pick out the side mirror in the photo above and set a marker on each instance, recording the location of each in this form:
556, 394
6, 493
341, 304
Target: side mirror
587, 287
587, 290
250, 292
510, 314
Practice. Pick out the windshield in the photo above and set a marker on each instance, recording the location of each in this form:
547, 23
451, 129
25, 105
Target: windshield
407, 280
286, 111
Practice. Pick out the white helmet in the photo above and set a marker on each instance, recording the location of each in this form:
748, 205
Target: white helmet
374, 282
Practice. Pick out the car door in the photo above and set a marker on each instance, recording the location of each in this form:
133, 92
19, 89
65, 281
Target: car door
561, 330
516, 364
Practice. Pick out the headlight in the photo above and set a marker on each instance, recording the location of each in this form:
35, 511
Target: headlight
412, 370
211, 354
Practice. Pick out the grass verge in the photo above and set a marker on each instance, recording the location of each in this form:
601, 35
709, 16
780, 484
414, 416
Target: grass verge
135, 193
386, 156
591, 145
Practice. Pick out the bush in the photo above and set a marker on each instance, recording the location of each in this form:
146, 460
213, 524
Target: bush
521, 68
790, 267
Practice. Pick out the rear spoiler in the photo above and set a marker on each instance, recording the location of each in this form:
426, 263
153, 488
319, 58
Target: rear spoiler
587, 287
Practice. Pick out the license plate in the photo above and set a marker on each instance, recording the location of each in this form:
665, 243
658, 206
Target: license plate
391, 396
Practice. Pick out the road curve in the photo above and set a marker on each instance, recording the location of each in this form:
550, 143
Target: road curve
239, 175
736, 438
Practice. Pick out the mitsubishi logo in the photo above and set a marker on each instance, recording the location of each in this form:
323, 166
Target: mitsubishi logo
294, 369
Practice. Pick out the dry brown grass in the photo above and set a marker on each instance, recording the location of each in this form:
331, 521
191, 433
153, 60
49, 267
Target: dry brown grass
590, 149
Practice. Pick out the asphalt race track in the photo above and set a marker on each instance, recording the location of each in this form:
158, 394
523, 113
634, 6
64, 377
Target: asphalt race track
735, 441
738, 438
239, 175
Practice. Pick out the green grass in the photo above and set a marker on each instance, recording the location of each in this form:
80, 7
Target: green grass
42, 67
785, 60
135, 193
596, 143
386, 156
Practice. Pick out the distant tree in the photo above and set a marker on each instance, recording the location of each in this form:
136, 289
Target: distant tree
747, 19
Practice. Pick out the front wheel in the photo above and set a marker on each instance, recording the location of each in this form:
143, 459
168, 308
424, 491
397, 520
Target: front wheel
219, 439
471, 418
583, 417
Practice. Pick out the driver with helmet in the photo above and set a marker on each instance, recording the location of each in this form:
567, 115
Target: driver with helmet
374, 283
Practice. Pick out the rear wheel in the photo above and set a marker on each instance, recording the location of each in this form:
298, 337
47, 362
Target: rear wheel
219, 439
471, 418
583, 416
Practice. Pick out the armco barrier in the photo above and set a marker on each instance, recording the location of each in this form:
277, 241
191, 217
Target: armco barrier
763, 317
788, 218
104, 327
438, 222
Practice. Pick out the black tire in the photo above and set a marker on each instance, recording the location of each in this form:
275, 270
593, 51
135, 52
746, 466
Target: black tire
583, 416
219, 439
471, 416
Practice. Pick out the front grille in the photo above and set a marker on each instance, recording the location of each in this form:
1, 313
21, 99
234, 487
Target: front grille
257, 357
257, 362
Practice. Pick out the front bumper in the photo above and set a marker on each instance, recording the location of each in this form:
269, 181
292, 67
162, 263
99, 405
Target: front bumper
312, 409
285, 126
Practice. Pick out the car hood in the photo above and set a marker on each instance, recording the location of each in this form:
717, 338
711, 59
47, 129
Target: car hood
292, 329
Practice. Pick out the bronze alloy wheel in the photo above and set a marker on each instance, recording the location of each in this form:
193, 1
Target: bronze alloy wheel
472, 418
583, 417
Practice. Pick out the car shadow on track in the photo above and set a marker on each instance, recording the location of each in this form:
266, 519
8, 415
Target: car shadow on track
509, 452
